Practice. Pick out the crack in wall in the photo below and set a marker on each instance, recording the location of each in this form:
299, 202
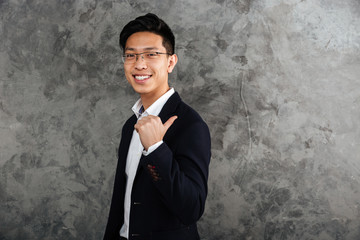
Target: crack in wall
243, 164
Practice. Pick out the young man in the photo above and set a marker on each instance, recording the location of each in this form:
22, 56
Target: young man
161, 177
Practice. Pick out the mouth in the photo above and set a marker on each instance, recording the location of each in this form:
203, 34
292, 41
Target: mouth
141, 78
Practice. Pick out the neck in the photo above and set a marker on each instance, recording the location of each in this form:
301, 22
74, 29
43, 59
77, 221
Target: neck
148, 99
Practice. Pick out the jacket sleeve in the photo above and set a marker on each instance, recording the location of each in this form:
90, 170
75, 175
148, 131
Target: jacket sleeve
180, 174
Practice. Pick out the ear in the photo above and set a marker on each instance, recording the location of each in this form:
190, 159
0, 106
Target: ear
172, 62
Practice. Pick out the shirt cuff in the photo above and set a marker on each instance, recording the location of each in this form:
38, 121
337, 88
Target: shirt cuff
152, 148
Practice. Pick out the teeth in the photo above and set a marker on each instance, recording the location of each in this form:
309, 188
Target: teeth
141, 77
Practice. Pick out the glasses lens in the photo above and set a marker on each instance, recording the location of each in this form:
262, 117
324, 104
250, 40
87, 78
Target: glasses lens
147, 56
129, 58
151, 55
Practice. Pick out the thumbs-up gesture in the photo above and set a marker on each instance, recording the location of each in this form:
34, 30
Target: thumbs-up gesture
151, 130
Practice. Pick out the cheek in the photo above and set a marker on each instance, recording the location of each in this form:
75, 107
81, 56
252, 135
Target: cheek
127, 72
128, 76
163, 68
128, 68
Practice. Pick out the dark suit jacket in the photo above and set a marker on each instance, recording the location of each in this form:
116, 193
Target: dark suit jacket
170, 187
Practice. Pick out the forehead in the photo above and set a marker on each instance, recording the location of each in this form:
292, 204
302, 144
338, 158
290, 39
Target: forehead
144, 41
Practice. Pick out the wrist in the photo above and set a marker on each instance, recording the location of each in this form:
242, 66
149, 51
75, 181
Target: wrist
151, 148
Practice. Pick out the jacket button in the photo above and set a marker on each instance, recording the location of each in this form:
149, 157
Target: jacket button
137, 203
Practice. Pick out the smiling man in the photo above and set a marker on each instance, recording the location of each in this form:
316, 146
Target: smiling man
163, 160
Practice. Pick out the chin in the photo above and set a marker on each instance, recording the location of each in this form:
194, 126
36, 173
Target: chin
141, 89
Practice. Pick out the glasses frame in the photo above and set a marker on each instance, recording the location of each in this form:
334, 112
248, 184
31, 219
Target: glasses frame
123, 57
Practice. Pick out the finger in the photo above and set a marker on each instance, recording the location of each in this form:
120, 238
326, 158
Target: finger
136, 127
169, 122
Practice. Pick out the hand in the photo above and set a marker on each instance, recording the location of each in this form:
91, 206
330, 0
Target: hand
151, 130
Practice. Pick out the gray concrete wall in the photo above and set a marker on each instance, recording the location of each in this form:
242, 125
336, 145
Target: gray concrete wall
277, 82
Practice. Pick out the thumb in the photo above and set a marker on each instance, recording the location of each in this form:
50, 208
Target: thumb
169, 122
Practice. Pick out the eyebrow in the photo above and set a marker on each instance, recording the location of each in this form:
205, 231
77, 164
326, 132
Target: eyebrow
145, 49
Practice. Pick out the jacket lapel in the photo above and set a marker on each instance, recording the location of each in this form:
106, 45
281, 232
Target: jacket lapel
126, 139
170, 107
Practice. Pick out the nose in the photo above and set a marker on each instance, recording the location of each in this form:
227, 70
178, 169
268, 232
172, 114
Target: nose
140, 62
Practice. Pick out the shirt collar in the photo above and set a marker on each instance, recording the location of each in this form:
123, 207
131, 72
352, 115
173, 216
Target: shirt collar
155, 108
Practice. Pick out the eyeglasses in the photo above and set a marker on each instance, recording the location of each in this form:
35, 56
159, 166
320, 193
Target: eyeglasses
129, 58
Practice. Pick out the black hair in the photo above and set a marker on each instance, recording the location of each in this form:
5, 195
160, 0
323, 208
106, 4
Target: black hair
149, 23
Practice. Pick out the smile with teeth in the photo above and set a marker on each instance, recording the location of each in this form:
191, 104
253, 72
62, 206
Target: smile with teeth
143, 77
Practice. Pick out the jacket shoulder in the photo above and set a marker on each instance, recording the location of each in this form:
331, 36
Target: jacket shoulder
189, 115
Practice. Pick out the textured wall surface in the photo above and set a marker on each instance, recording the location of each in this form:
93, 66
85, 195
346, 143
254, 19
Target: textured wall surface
277, 81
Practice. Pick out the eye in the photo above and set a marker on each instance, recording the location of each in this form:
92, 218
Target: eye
152, 54
129, 55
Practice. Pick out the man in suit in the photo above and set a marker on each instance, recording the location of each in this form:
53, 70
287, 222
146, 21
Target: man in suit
161, 178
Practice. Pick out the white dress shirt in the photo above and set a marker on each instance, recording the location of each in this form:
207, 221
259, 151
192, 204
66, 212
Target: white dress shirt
136, 149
